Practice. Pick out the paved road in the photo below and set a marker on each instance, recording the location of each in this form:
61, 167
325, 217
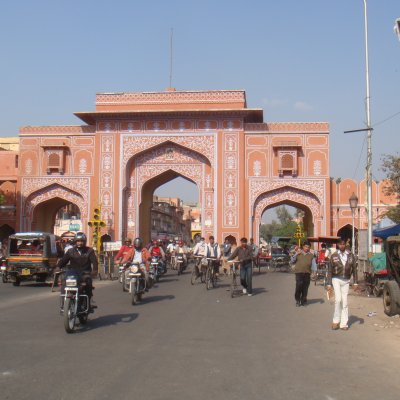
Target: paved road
183, 342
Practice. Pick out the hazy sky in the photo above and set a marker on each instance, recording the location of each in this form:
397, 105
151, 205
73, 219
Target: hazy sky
298, 60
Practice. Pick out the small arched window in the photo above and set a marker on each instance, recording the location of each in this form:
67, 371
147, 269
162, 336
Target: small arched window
54, 160
287, 161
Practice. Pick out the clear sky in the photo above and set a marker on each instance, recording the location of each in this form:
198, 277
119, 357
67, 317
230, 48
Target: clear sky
298, 60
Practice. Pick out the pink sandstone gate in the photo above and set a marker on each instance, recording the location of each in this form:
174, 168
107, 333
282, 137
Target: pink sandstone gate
134, 142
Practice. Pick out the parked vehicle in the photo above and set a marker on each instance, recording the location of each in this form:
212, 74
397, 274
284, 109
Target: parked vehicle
32, 256
134, 282
376, 277
75, 303
391, 288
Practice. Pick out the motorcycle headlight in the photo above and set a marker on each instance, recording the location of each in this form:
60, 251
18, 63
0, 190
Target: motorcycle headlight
134, 269
70, 282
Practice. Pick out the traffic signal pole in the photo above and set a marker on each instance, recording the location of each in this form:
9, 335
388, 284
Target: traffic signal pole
96, 224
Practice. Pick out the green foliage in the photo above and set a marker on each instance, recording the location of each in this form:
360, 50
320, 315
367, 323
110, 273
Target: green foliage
391, 167
285, 227
2, 198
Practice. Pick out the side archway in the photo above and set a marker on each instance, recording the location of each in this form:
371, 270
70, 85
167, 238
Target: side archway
41, 207
298, 198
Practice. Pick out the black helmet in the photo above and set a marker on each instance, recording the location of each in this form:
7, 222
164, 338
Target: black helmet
138, 243
80, 236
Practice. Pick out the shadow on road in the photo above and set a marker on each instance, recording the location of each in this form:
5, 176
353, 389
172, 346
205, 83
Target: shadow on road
315, 301
353, 320
257, 291
168, 280
109, 320
153, 299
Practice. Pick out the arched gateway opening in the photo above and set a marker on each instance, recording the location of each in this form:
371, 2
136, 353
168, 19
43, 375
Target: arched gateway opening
56, 216
154, 167
149, 226
286, 224
297, 198
42, 207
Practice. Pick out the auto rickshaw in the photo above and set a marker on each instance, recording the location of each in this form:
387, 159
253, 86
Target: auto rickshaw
32, 256
391, 289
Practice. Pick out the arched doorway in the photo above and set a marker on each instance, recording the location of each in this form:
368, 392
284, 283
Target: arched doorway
156, 166
56, 216
295, 197
346, 233
283, 219
41, 208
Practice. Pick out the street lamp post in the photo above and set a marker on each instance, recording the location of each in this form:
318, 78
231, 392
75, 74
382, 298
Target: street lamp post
353, 201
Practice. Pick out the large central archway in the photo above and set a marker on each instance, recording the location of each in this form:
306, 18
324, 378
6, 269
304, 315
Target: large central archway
156, 166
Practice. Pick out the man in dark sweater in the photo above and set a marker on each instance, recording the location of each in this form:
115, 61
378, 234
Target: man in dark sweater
244, 253
304, 263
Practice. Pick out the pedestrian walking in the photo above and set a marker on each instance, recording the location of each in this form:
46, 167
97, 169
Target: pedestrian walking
244, 253
341, 268
304, 264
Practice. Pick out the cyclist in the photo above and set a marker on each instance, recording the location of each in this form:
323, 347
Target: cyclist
244, 253
83, 260
214, 251
200, 250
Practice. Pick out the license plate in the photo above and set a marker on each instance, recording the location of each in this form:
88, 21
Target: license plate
26, 271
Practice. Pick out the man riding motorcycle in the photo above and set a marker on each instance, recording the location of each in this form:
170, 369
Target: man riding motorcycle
83, 260
123, 250
139, 254
157, 251
182, 249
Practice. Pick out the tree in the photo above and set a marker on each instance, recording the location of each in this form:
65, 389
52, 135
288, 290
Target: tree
391, 167
283, 215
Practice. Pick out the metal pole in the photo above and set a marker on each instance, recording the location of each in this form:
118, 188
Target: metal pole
352, 234
369, 134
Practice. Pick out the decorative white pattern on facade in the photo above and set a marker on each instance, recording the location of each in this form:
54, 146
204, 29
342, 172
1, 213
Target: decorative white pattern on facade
231, 174
133, 145
257, 168
317, 167
82, 166
28, 166
107, 174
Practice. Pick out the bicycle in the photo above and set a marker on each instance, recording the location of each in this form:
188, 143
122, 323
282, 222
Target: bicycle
201, 274
235, 282
211, 278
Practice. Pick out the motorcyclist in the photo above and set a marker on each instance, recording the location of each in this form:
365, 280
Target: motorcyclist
157, 251
139, 254
69, 245
123, 250
83, 260
182, 249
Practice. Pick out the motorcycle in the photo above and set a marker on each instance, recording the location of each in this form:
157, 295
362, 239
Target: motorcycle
75, 303
121, 269
156, 266
180, 263
134, 282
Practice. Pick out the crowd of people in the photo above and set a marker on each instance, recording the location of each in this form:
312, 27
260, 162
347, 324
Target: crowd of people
341, 263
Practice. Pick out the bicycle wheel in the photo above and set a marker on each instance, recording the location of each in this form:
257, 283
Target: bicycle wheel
209, 279
193, 277
234, 285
